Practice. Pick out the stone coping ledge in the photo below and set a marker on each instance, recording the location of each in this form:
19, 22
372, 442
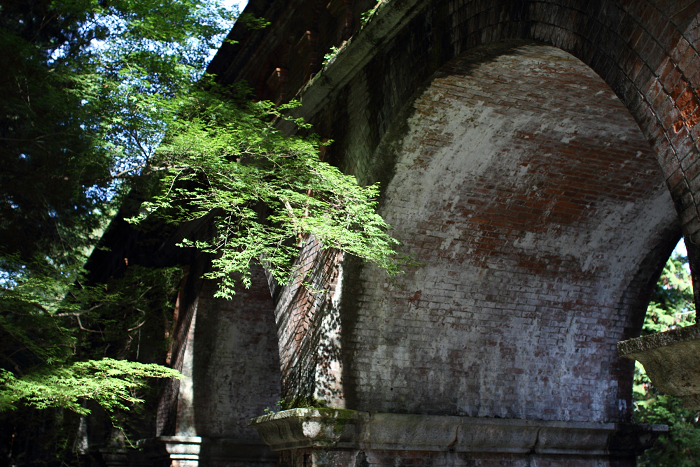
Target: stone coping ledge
628, 348
671, 360
348, 429
387, 21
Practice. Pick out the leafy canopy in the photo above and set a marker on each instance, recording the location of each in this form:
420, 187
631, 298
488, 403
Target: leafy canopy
80, 94
107, 381
61, 345
80, 91
265, 191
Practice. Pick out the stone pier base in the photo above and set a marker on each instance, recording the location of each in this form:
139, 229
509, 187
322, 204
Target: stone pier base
334, 437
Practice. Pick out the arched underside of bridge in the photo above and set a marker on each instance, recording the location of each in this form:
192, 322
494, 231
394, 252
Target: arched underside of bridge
540, 219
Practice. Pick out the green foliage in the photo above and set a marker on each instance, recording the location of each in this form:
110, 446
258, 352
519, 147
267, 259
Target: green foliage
265, 191
80, 94
672, 302
276, 409
252, 22
301, 402
109, 382
329, 56
68, 349
48, 320
681, 446
367, 16
671, 306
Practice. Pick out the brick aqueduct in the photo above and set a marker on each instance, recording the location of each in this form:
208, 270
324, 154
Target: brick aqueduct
540, 158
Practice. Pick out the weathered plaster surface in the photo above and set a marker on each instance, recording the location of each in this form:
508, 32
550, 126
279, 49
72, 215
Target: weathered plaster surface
530, 195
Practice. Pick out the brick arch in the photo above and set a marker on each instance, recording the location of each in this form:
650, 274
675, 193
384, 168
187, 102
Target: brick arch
525, 324
638, 50
645, 51
541, 216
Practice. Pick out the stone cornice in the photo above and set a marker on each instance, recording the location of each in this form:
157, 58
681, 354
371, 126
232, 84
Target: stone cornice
671, 360
348, 429
632, 347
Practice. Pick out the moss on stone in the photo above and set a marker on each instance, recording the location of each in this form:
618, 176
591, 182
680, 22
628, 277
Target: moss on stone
340, 418
302, 402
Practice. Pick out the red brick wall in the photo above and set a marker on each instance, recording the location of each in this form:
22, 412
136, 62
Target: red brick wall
646, 51
309, 326
541, 215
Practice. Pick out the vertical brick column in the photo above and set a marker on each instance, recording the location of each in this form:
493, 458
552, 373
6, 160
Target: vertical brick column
231, 373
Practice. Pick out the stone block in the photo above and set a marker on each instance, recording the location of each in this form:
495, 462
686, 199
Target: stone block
671, 360
325, 430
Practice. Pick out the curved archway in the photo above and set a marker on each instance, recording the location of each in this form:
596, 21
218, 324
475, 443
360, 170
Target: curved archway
582, 264
540, 213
